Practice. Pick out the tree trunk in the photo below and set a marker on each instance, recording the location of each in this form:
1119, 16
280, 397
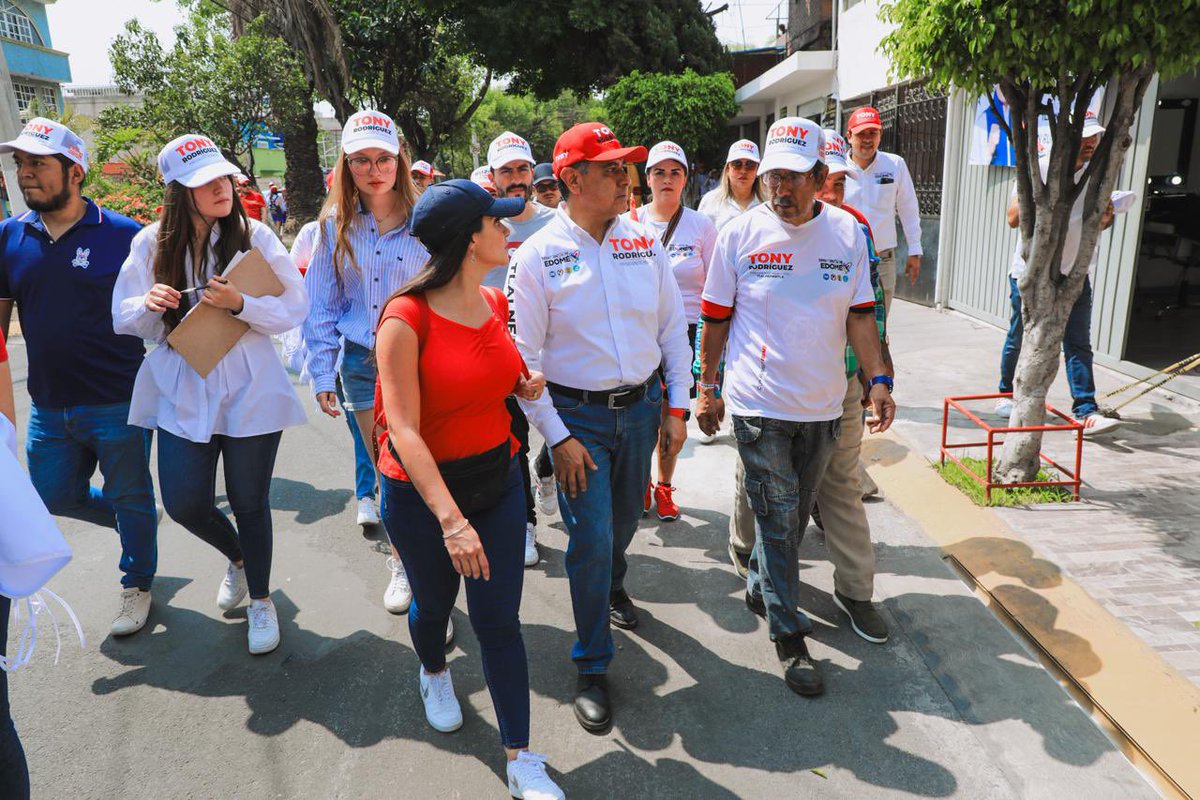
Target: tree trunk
304, 180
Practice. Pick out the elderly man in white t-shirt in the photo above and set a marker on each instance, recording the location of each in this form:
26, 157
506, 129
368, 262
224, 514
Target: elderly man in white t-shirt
789, 284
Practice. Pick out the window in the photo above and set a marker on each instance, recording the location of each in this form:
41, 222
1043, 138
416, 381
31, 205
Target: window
16, 24
783, 112
34, 96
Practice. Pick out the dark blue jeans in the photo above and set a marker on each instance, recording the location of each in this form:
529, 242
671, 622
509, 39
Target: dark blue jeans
65, 445
784, 462
493, 605
364, 464
602, 520
14, 773
1077, 350
187, 475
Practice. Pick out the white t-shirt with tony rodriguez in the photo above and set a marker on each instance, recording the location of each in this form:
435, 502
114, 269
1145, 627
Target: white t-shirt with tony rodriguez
1074, 232
689, 251
791, 288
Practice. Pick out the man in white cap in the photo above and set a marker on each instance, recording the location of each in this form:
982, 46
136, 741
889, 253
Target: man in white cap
422, 175
510, 167
789, 276
1077, 338
58, 264
883, 190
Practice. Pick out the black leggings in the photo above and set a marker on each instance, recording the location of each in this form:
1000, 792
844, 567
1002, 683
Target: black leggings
544, 467
14, 773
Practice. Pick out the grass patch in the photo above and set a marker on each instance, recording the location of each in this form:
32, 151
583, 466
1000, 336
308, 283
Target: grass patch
954, 475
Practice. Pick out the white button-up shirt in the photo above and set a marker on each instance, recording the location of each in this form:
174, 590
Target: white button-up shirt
722, 209
883, 191
249, 392
597, 315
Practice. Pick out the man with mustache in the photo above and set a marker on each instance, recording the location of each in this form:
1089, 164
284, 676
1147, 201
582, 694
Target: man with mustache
510, 165
788, 277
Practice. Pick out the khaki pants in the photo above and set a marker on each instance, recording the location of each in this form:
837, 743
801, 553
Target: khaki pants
887, 278
839, 497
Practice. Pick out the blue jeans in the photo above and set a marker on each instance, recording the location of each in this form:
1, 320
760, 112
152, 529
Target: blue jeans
14, 772
601, 521
784, 463
493, 605
364, 465
187, 475
357, 375
1077, 350
65, 445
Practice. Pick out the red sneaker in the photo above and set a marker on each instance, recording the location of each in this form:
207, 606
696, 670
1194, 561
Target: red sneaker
648, 500
667, 510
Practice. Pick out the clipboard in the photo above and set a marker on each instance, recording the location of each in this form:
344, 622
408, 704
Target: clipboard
208, 333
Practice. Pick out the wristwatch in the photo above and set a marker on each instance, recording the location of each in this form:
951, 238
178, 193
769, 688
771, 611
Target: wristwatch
886, 380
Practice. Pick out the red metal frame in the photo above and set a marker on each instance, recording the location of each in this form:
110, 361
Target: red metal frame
986, 482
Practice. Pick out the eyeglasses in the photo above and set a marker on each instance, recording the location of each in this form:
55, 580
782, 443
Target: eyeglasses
776, 178
744, 166
361, 165
546, 186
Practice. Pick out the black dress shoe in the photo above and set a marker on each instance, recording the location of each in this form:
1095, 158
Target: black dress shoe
755, 603
799, 671
592, 707
621, 610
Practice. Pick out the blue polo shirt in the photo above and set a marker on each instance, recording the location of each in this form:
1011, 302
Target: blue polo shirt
63, 290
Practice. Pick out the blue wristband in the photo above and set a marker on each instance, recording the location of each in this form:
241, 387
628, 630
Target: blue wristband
886, 380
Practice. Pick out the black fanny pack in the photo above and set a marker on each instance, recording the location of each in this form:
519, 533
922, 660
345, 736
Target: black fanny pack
476, 482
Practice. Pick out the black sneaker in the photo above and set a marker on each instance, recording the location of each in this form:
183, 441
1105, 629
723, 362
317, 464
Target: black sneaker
755, 603
621, 611
864, 618
740, 561
799, 671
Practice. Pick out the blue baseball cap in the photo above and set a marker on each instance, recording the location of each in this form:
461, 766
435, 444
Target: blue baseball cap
448, 208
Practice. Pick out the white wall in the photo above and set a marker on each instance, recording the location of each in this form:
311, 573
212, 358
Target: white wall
862, 67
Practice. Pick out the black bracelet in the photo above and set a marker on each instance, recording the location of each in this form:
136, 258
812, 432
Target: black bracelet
564, 441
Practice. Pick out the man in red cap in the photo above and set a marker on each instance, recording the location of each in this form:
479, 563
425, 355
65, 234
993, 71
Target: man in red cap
597, 310
883, 190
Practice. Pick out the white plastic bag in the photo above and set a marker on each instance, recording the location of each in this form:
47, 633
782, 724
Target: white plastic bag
32, 548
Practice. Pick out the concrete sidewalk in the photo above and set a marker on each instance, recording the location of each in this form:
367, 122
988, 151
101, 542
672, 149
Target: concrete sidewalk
952, 706
1134, 541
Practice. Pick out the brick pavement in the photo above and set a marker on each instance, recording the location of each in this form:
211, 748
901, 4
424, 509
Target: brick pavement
1134, 541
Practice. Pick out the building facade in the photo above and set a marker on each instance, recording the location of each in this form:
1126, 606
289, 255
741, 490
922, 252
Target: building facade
36, 70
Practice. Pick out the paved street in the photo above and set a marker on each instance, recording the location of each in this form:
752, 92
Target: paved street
953, 706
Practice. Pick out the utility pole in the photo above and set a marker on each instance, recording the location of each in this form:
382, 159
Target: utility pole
10, 128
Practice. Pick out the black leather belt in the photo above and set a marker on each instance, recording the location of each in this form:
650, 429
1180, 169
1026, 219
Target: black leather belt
621, 397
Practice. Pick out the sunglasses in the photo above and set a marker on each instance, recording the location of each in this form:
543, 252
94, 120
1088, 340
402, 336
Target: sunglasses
743, 165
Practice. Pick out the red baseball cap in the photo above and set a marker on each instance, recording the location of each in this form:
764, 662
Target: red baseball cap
592, 141
865, 117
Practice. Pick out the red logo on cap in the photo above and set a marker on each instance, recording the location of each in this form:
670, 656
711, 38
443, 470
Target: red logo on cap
789, 130
863, 117
364, 120
192, 145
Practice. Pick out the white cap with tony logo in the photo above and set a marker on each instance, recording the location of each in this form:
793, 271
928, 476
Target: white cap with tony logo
835, 153
1091, 125
369, 128
506, 148
743, 150
45, 137
793, 143
193, 160
666, 151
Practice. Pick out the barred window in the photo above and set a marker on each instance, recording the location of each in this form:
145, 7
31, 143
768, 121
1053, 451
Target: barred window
16, 24
31, 96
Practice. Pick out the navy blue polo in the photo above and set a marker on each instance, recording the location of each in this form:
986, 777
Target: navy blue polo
63, 290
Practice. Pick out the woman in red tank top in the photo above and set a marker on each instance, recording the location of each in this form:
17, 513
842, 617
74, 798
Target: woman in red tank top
454, 504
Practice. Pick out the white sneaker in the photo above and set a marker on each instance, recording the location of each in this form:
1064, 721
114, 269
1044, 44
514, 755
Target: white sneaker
531, 551
135, 609
546, 493
709, 438
233, 588
527, 778
399, 593
264, 627
449, 631
1094, 424
441, 706
1004, 407
367, 513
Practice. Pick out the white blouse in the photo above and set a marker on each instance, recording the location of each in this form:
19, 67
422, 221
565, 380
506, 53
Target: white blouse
249, 392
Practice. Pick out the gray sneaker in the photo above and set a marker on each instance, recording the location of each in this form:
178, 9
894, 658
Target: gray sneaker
864, 618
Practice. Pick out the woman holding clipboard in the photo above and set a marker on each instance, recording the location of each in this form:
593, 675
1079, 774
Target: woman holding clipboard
454, 500
238, 411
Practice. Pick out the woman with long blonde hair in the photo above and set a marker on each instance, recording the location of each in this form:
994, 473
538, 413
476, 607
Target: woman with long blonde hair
740, 189
363, 255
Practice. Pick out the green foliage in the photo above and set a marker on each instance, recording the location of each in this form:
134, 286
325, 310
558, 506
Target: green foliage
954, 475
539, 121
973, 43
208, 82
689, 109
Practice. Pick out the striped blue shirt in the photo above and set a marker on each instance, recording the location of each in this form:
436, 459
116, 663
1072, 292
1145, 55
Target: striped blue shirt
351, 311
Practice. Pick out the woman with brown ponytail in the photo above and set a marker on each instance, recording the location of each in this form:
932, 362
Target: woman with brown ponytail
238, 411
